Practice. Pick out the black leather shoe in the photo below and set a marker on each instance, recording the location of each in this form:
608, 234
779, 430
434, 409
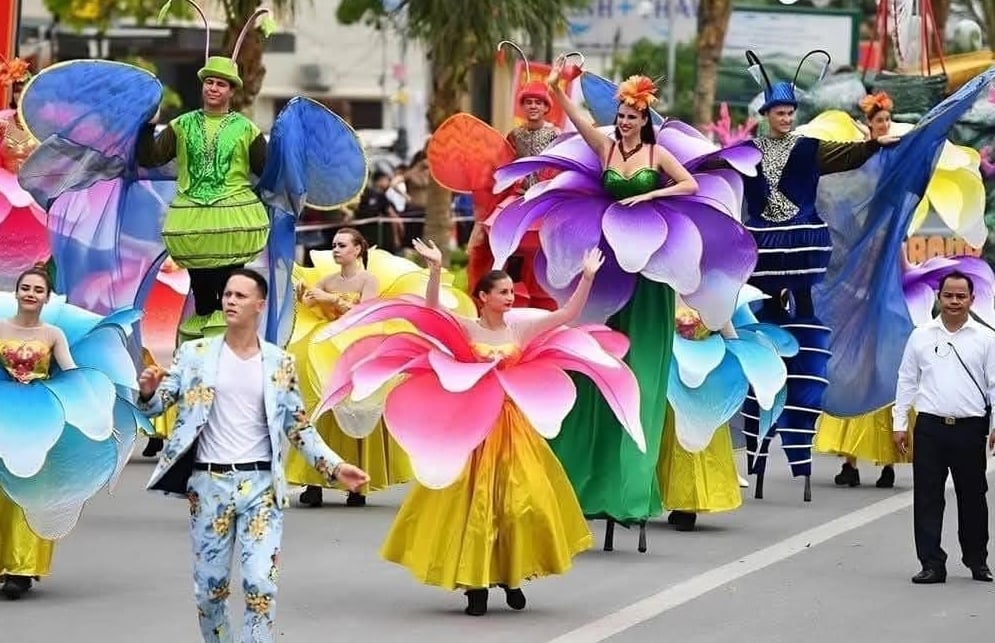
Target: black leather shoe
15, 586
981, 573
515, 598
887, 479
929, 576
476, 602
355, 500
311, 497
849, 476
153, 448
682, 520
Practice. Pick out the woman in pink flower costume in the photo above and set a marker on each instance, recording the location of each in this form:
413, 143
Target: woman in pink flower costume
477, 402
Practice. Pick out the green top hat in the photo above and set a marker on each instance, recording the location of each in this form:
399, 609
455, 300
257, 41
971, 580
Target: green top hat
220, 67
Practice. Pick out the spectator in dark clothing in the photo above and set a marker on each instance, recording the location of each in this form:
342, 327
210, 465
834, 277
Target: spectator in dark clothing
374, 207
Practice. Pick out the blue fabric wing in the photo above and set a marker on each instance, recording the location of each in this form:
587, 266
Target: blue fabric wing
698, 412
87, 115
76, 468
314, 159
278, 264
599, 97
861, 299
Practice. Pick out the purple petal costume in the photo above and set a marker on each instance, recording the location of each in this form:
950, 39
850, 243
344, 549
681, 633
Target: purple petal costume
692, 244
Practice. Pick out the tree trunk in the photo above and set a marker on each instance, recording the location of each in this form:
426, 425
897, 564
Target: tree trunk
449, 79
941, 12
713, 21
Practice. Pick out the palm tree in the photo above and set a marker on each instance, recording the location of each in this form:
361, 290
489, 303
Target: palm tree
457, 35
713, 22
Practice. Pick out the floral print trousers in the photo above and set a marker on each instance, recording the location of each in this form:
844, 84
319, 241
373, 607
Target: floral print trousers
224, 507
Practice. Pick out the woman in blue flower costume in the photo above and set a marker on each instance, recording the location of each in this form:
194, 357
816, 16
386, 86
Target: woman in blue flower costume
93, 120
70, 373
804, 223
709, 381
661, 205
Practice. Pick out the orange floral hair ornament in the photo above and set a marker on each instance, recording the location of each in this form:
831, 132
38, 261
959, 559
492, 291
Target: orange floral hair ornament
13, 71
874, 103
638, 92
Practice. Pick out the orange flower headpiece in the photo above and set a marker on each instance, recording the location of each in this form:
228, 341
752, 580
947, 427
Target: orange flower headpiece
637, 91
13, 71
874, 103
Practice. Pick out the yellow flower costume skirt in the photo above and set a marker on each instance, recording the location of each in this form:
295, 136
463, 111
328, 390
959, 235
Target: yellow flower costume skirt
511, 516
22, 553
704, 482
865, 437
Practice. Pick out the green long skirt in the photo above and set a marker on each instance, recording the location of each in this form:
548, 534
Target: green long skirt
612, 478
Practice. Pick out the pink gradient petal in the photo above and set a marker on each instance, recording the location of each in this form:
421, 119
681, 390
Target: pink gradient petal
339, 385
612, 342
14, 193
621, 391
371, 374
438, 324
635, 233
456, 376
568, 343
439, 429
543, 392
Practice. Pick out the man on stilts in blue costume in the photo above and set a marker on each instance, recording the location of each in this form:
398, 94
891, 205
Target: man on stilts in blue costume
794, 249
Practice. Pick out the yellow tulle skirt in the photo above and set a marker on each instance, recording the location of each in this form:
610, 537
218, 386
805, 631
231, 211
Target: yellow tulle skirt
704, 482
163, 424
511, 516
22, 553
377, 454
865, 437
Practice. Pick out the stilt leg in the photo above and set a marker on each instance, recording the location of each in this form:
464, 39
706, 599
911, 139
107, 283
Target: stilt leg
642, 537
808, 489
759, 491
609, 535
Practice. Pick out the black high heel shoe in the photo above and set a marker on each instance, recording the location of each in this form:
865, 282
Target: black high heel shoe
476, 602
15, 586
849, 476
515, 598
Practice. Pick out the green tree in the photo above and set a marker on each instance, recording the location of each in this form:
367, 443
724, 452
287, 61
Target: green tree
457, 37
649, 58
102, 13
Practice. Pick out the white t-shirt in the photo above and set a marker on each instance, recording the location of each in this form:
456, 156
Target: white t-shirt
236, 429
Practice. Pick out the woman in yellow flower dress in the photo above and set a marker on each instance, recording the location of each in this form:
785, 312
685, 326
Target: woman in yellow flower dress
956, 193
347, 275
481, 397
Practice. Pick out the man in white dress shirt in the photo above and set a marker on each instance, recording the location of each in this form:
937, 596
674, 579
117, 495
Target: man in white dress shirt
948, 375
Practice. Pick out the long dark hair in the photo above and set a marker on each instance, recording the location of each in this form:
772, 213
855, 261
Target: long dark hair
646, 133
359, 240
486, 283
37, 270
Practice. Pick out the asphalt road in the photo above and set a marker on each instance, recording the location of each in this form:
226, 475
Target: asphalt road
776, 570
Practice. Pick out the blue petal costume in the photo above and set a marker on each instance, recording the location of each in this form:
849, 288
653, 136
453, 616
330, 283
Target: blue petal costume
76, 429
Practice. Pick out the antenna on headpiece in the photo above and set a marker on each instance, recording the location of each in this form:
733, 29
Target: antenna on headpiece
757, 70
525, 59
822, 73
203, 18
249, 24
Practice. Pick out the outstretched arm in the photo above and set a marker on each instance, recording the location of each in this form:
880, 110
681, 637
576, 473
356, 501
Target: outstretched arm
841, 157
433, 256
155, 151
596, 140
593, 260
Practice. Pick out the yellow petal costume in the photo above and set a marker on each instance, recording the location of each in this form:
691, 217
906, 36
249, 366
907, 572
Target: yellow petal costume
355, 430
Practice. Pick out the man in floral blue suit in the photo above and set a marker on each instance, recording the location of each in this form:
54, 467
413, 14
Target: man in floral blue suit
237, 398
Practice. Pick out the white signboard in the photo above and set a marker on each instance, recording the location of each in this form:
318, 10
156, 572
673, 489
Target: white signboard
611, 25
789, 34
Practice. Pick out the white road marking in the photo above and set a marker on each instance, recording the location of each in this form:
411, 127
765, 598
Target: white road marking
685, 592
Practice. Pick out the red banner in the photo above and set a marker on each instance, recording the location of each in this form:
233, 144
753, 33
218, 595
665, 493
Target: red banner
8, 32
539, 71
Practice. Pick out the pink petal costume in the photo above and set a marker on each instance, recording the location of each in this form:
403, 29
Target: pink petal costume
473, 411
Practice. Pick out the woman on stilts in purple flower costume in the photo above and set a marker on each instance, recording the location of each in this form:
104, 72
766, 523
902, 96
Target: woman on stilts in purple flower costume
662, 206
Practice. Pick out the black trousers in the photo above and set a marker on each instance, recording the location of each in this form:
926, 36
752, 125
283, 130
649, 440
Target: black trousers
207, 286
961, 450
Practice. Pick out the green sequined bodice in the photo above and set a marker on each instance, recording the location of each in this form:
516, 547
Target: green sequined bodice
621, 187
212, 154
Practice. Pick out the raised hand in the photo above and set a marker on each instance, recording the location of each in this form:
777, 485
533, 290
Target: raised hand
429, 251
553, 79
888, 140
593, 260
